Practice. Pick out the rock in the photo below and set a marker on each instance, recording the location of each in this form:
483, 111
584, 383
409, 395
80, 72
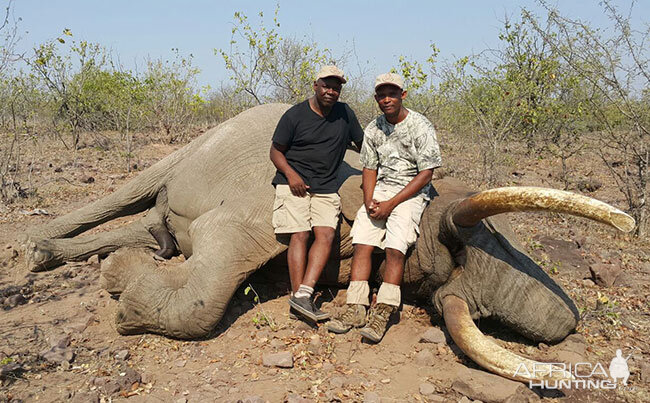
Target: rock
604, 274
293, 398
328, 367
645, 267
424, 358
338, 382
433, 335
111, 387
427, 389
571, 350
80, 325
80, 397
180, 363
10, 369
253, 399
88, 179
371, 397
283, 359
464, 399
480, 385
146, 378
589, 185
127, 378
277, 344
60, 341
122, 355
314, 344
58, 355
623, 280
14, 300
644, 372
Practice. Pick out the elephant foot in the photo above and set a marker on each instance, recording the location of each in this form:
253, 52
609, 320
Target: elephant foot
40, 255
159, 302
123, 267
144, 304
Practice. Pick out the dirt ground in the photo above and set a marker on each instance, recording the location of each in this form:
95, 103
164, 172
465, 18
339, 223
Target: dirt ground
59, 342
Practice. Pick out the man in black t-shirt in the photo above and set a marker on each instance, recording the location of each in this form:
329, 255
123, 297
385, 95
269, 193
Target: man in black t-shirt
308, 147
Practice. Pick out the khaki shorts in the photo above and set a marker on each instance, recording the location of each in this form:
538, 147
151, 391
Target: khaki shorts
297, 214
399, 231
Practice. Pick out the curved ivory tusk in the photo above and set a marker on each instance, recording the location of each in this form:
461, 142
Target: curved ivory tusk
473, 209
490, 355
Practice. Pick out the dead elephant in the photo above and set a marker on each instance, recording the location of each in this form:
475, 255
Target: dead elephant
213, 201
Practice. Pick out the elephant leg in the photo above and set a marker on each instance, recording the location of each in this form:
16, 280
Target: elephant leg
229, 244
48, 253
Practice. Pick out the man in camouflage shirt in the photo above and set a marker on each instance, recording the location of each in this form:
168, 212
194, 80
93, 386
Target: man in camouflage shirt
399, 153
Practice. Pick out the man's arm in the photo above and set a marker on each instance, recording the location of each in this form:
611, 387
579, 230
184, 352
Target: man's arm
296, 184
368, 182
383, 209
356, 132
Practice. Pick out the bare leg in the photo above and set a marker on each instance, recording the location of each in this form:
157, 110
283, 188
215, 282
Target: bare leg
394, 266
297, 258
319, 253
361, 262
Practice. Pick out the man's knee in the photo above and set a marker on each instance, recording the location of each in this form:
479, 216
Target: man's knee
362, 250
394, 254
301, 237
324, 234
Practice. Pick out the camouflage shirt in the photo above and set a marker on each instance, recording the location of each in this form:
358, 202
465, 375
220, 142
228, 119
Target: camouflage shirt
401, 151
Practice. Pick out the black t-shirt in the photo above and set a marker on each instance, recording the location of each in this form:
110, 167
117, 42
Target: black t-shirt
316, 144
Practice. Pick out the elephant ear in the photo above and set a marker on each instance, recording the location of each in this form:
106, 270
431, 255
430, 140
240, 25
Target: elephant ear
351, 197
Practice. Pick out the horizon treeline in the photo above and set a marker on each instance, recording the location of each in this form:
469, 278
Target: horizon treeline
555, 85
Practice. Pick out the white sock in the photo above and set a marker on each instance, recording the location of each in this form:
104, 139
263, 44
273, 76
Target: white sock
389, 294
304, 291
358, 293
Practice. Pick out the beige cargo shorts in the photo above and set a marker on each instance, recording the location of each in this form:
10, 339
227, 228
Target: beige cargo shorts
399, 231
297, 214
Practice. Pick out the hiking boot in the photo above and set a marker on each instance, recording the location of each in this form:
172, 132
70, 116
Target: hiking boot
354, 316
378, 322
305, 307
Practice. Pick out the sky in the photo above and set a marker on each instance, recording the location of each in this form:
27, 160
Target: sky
373, 33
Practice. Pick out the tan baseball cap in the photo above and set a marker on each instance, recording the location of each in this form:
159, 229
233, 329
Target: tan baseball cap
389, 78
331, 71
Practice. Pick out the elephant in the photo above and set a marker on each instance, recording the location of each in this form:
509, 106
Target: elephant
212, 201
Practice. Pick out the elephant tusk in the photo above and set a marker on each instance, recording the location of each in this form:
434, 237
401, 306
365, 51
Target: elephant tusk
473, 209
490, 355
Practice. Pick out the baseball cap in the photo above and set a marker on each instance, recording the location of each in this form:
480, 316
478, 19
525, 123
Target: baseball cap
389, 78
331, 71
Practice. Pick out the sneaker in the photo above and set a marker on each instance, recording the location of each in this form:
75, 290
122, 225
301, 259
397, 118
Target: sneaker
305, 307
378, 322
353, 316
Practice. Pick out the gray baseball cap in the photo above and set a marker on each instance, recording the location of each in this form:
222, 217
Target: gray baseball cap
331, 71
389, 78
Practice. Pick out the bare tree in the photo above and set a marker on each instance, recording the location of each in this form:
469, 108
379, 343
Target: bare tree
616, 65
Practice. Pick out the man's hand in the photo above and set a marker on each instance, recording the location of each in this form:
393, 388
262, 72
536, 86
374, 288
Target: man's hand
371, 205
382, 210
297, 185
